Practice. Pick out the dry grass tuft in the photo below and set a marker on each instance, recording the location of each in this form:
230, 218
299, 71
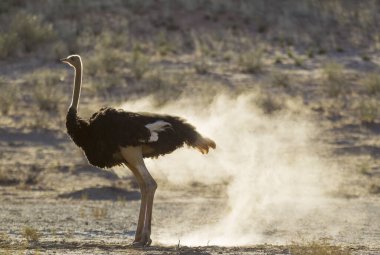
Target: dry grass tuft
251, 62
8, 96
269, 104
374, 188
46, 90
372, 83
5, 240
139, 64
335, 82
368, 111
31, 234
99, 213
318, 248
201, 66
280, 79
104, 61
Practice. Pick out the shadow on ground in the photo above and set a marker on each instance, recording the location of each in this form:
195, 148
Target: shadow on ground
102, 193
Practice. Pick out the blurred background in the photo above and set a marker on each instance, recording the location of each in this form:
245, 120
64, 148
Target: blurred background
317, 60
321, 53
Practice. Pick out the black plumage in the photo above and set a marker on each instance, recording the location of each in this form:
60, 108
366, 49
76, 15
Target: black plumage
109, 128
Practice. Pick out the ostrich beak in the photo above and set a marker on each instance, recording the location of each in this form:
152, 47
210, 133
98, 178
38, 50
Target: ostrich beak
64, 60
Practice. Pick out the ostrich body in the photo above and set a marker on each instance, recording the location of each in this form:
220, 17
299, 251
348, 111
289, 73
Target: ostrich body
115, 137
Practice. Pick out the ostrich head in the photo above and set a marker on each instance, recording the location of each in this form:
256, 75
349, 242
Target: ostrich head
73, 60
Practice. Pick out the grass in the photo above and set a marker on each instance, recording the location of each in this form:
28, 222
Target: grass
139, 64
4, 240
368, 111
335, 82
31, 234
46, 89
99, 213
280, 79
27, 32
6, 179
162, 85
8, 96
104, 61
374, 188
251, 62
372, 83
268, 104
318, 248
201, 66
365, 168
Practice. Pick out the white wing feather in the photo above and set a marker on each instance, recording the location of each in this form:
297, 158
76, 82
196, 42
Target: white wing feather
157, 127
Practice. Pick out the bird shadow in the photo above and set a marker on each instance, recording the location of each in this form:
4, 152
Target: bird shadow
102, 193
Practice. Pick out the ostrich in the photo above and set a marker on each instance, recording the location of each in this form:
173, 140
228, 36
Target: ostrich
114, 137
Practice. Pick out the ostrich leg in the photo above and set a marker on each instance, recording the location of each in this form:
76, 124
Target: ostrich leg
134, 159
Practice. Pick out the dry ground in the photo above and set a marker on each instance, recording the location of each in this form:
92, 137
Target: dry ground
52, 201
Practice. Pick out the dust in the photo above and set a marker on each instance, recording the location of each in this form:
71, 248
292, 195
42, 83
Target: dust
277, 183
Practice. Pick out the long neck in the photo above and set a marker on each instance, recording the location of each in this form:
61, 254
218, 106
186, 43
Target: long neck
77, 85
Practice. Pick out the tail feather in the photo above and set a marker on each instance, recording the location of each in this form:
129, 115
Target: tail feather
203, 144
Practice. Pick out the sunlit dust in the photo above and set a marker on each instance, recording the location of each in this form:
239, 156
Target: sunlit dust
276, 181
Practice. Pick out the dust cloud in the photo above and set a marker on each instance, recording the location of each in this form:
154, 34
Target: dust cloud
276, 180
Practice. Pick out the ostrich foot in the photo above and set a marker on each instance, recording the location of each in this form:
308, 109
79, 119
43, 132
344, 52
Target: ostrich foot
143, 241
